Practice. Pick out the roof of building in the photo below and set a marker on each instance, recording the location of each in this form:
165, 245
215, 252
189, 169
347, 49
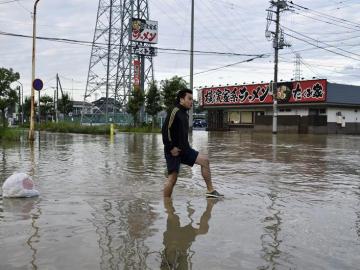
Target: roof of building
343, 93
101, 101
81, 103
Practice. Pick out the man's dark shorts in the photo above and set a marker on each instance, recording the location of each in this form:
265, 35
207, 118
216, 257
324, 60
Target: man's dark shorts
173, 163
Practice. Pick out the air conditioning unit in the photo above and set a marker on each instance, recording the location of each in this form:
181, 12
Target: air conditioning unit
343, 123
339, 119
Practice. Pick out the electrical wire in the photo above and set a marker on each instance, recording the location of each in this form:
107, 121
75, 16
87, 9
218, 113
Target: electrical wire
318, 41
225, 66
326, 15
23, 7
89, 43
236, 27
327, 22
320, 47
7, 2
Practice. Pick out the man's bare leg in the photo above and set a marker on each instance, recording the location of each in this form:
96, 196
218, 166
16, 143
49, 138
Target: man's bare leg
169, 184
203, 161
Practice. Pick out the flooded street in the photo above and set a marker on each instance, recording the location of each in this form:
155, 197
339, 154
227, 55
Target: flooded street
292, 202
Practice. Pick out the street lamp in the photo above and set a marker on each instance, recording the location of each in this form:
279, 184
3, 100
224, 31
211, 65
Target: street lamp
32, 112
21, 103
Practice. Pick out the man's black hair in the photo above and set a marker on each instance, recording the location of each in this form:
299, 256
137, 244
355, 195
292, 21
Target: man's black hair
182, 93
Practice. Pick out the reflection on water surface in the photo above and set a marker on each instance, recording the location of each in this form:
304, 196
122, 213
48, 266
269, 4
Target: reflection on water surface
292, 202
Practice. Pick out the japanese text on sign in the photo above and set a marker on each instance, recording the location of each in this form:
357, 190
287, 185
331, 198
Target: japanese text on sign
303, 91
142, 50
144, 31
137, 72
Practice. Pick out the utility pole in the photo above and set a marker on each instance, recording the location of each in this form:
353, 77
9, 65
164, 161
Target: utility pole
191, 63
276, 60
57, 99
54, 105
39, 111
32, 112
278, 43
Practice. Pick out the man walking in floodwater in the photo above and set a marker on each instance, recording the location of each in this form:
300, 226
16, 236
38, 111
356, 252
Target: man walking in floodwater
177, 148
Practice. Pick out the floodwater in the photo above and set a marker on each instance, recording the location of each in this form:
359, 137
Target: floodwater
292, 202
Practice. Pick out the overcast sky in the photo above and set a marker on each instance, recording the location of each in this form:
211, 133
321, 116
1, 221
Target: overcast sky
226, 26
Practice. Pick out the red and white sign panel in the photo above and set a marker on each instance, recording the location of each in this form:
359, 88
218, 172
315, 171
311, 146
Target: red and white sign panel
137, 72
299, 92
144, 31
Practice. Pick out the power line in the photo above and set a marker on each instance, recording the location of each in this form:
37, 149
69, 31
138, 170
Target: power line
210, 31
310, 68
70, 79
212, 52
341, 5
21, 5
222, 20
7, 2
327, 22
326, 15
225, 66
312, 48
318, 41
320, 47
89, 43
343, 39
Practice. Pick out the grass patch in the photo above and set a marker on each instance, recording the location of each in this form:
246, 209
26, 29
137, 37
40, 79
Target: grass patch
143, 129
10, 134
68, 127
65, 127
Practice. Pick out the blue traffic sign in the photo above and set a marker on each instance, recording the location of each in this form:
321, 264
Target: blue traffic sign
38, 84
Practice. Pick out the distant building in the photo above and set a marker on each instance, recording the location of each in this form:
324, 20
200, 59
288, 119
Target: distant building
95, 107
307, 106
78, 106
112, 105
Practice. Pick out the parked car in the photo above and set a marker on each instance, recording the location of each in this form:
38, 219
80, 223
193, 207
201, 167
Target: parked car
199, 123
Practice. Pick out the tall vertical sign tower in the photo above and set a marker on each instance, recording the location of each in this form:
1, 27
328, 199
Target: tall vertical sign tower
116, 59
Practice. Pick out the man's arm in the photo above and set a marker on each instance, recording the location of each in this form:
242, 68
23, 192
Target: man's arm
171, 133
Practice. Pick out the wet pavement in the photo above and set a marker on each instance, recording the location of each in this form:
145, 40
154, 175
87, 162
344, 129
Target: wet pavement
292, 202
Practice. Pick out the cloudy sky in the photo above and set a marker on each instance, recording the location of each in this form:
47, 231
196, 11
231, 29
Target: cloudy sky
326, 34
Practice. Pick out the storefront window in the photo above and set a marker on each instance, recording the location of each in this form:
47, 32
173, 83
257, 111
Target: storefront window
234, 117
246, 118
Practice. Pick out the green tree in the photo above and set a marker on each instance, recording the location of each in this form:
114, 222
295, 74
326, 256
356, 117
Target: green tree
8, 96
46, 106
27, 107
135, 102
153, 102
169, 89
65, 104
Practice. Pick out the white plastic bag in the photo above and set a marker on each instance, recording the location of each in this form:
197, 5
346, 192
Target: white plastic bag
19, 185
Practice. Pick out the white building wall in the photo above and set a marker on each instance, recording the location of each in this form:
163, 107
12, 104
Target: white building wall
293, 111
351, 115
